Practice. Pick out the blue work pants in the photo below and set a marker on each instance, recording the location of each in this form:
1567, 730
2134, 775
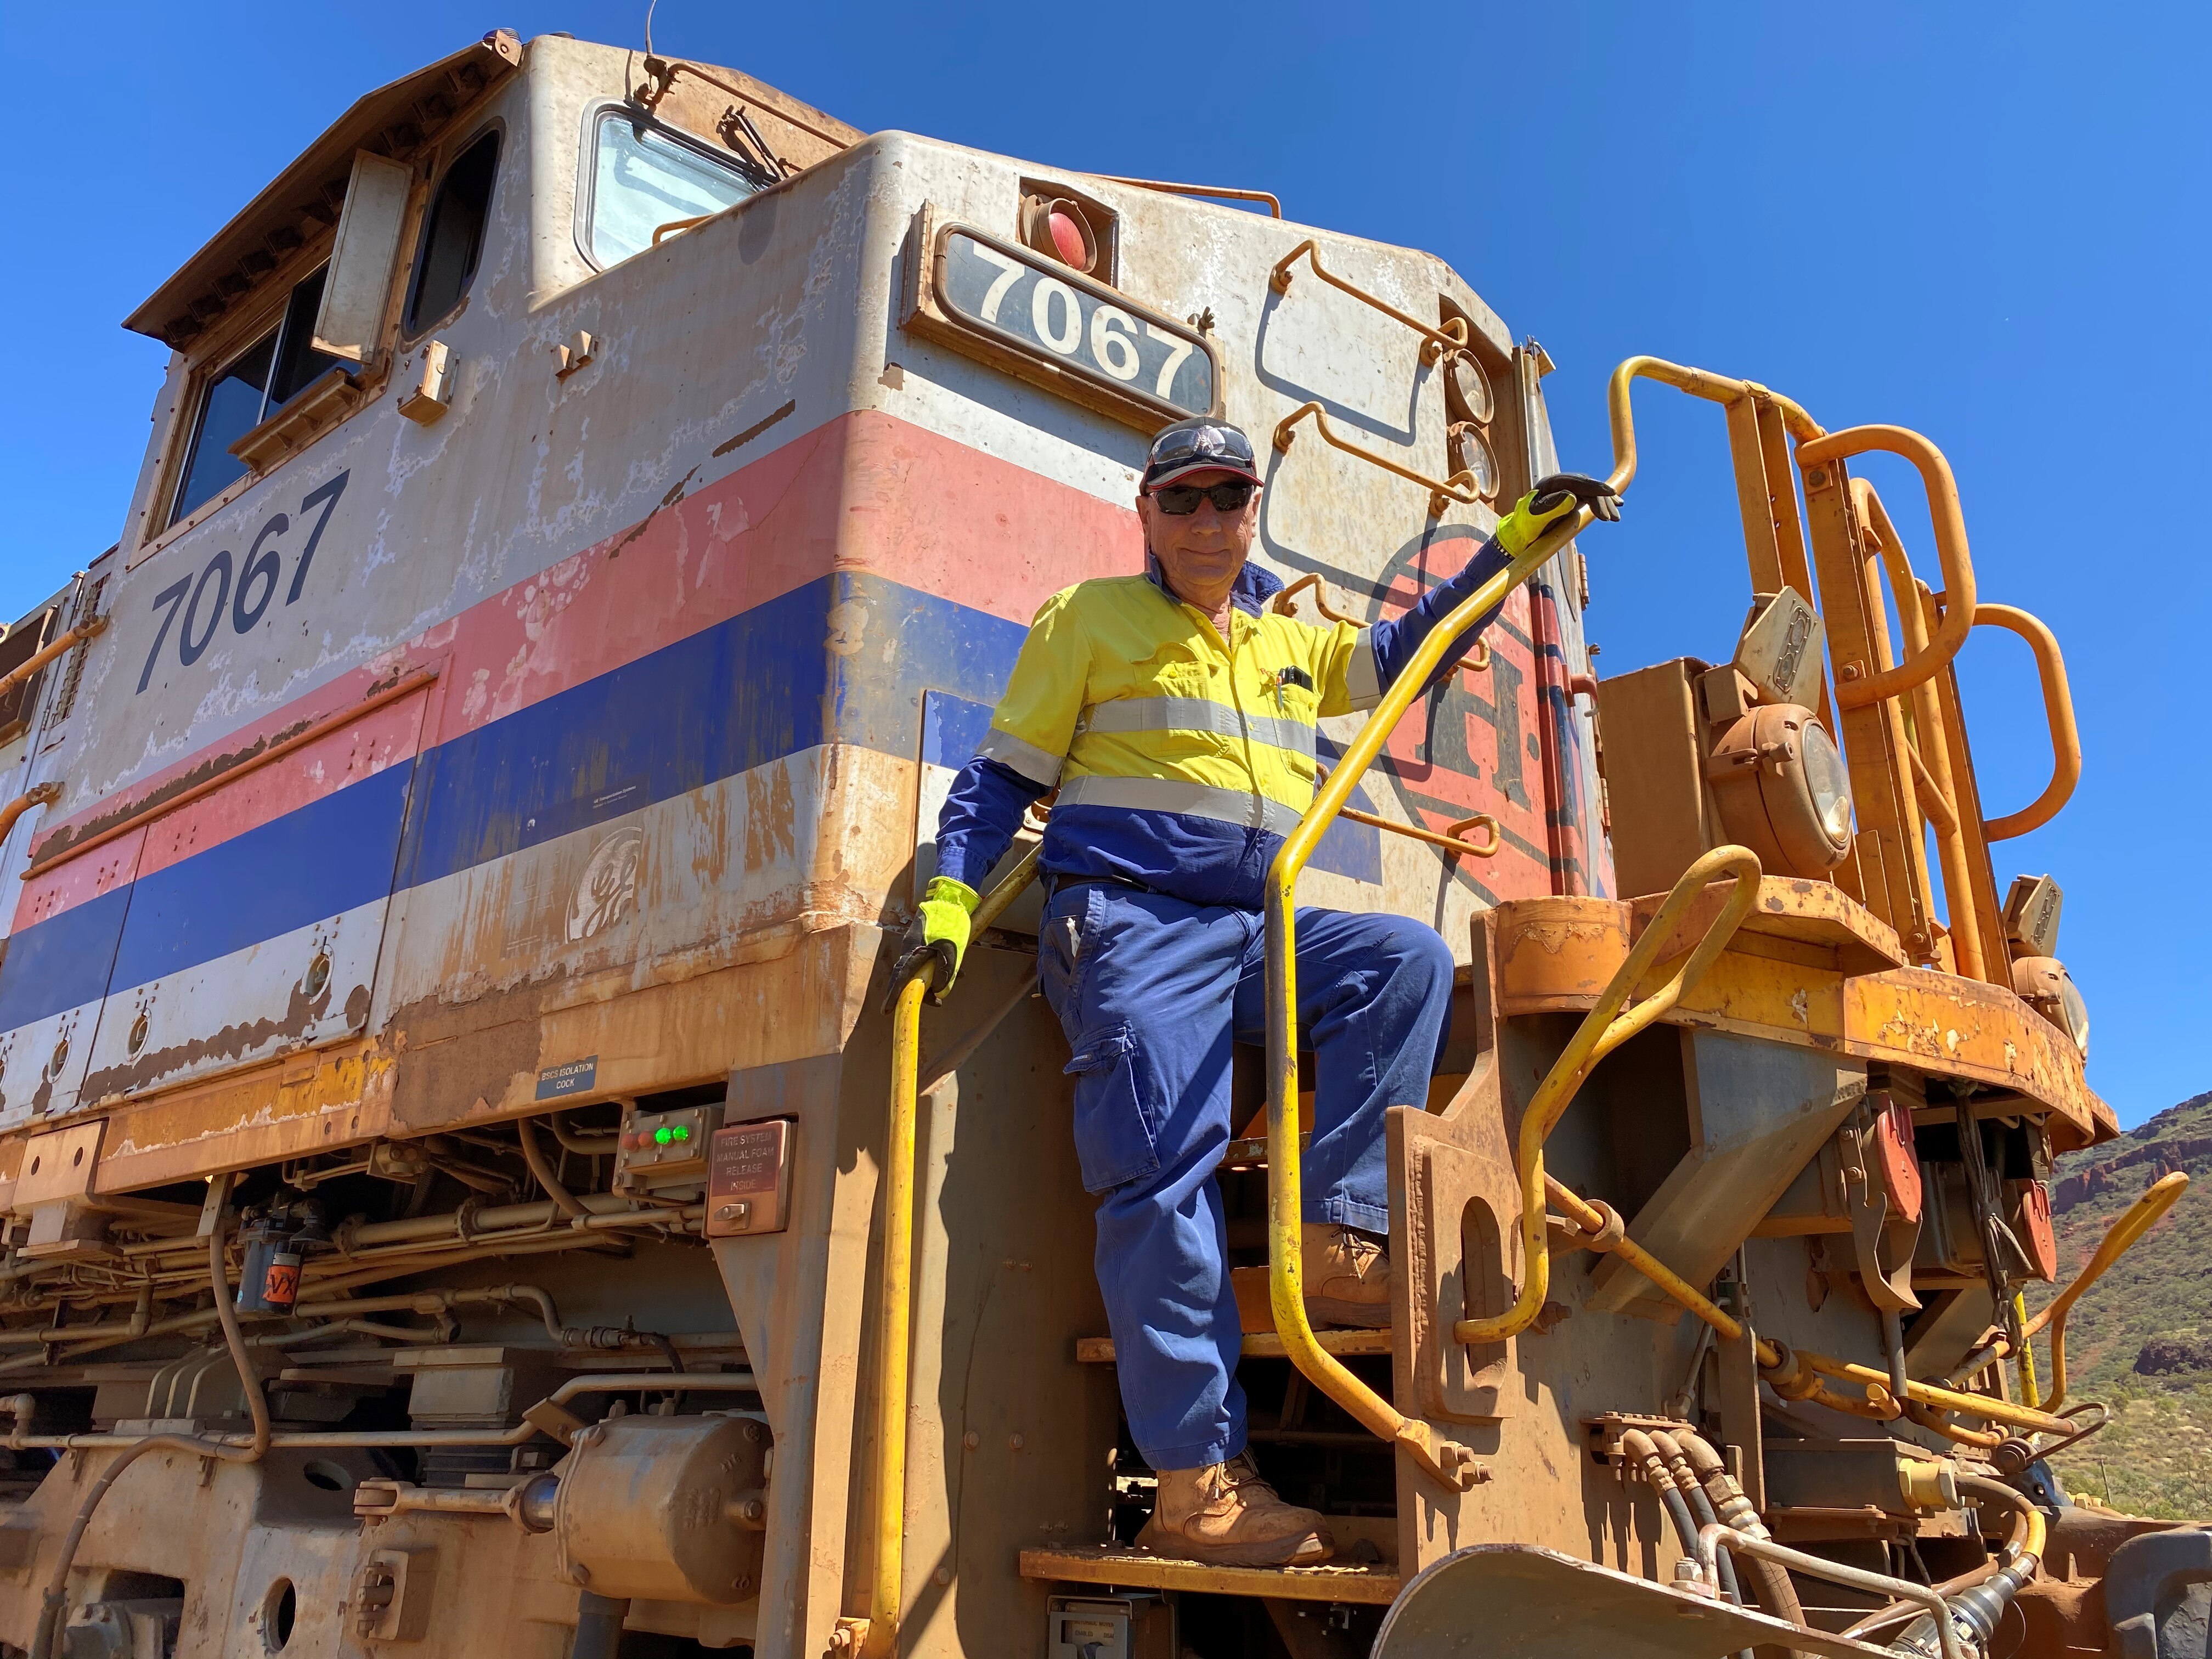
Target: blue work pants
1152, 993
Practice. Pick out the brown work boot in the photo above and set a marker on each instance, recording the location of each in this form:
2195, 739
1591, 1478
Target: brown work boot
1225, 1516
1347, 1277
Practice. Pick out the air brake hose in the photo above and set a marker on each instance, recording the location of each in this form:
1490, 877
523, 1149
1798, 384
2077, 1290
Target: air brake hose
1976, 1609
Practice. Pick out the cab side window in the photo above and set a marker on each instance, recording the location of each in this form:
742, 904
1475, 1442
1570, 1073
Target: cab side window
454, 233
246, 391
645, 176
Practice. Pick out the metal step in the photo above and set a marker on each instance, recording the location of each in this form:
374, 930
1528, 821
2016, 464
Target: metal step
1131, 1567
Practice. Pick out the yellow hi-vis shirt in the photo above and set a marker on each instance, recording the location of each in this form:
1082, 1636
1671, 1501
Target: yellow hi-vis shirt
1123, 697
1182, 759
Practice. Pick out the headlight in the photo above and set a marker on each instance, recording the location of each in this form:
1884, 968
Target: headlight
1783, 790
1469, 452
1467, 389
2044, 984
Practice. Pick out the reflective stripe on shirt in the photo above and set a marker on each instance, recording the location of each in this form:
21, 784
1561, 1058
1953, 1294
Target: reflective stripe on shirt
1022, 756
1234, 807
1126, 714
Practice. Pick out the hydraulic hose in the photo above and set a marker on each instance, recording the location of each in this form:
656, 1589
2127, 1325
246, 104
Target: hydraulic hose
2030, 1530
1896, 1610
55, 1606
1677, 1469
1640, 1446
1770, 1579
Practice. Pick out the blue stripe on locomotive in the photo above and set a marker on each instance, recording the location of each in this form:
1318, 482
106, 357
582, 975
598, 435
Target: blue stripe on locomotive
763, 685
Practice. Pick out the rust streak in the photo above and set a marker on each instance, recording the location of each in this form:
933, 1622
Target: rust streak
82, 837
756, 429
675, 495
232, 1043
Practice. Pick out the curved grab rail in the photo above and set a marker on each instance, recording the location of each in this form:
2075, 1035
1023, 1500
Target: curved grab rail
1604, 1029
1223, 192
2057, 712
2140, 1217
1285, 603
1435, 342
1699, 383
1451, 839
1951, 552
43, 794
1449, 1462
1459, 489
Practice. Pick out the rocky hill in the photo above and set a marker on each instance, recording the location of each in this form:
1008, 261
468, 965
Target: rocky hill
2141, 1340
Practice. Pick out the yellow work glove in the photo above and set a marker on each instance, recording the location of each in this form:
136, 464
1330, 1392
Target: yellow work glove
1553, 498
941, 932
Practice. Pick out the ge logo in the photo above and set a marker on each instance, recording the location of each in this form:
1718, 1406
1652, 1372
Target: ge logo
608, 891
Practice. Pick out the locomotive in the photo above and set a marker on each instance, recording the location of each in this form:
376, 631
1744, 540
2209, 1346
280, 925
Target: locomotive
473, 1185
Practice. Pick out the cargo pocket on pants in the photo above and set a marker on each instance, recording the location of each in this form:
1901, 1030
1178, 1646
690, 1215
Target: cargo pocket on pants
1117, 1110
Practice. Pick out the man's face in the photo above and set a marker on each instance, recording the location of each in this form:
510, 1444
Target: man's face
1201, 552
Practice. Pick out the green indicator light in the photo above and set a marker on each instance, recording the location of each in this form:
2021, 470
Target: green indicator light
663, 1135
683, 1132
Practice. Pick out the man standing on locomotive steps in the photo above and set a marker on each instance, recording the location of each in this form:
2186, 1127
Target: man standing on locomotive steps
1175, 717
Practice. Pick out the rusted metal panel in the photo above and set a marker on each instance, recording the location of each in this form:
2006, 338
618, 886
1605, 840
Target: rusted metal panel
1811, 970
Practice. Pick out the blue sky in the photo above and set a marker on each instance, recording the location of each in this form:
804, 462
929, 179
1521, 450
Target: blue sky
1988, 224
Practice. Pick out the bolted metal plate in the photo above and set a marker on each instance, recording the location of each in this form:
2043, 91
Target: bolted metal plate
1518, 1601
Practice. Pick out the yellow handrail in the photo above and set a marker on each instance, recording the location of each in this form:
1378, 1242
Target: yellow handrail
1950, 524
1443, 493
876, 1636
1435, 342
1604, 1029
1958, 844
1699, 383
69, 638
1447, 1461
43, 794
1794, 1374
2140, 1217
2058, 711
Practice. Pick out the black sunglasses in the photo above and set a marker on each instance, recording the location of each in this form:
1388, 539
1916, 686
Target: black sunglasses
1180, 500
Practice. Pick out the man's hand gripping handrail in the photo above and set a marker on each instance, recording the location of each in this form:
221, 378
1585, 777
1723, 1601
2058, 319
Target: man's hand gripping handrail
1603, 1030
1450, 1464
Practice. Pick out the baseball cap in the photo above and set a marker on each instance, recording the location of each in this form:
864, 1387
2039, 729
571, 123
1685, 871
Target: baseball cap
1203, 444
